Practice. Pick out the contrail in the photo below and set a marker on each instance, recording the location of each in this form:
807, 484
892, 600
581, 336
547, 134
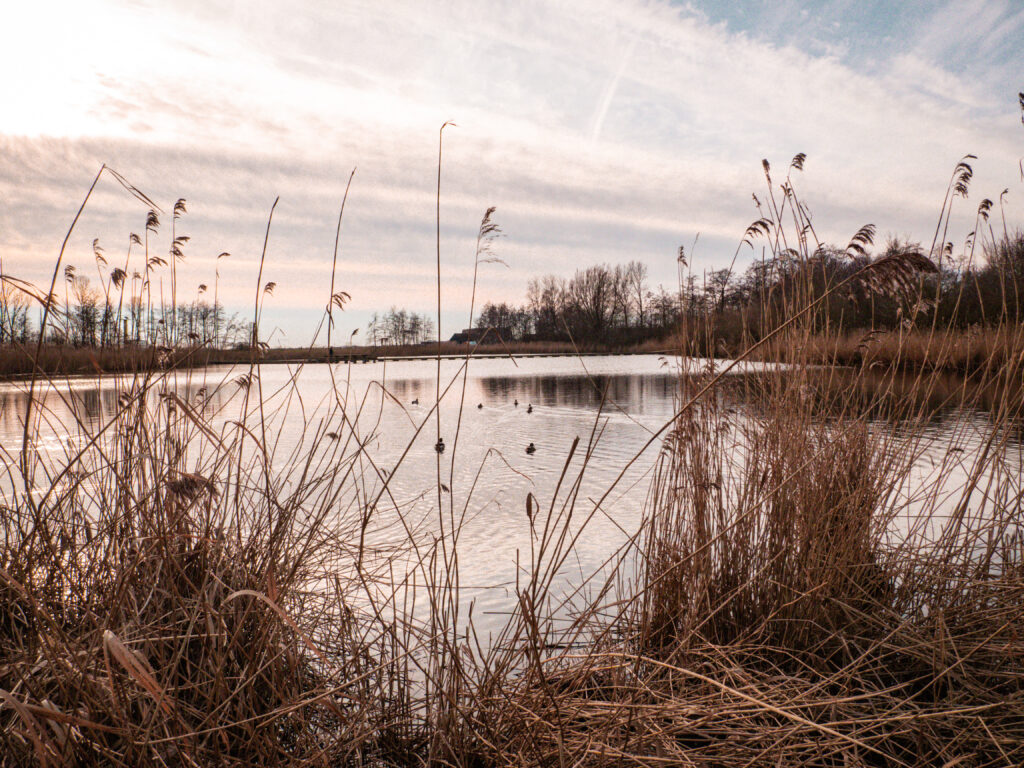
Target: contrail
609, 94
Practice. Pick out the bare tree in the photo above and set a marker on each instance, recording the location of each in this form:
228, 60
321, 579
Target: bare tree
13, 315
636, 280
590, 295
85, 316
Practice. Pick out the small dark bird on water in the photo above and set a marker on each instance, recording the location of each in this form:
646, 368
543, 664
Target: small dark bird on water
516, 402
439, 445
529, 408
416, 401
531, 448
480, 405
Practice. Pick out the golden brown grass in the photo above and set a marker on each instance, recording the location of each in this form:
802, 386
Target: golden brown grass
166, 599
964, 351
60, 360
789, 608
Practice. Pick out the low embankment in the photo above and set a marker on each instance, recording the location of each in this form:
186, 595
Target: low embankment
62, 360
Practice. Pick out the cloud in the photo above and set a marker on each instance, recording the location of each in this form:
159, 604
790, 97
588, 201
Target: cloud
602, 132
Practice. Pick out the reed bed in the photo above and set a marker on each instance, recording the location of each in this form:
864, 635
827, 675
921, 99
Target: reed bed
56, 360
797, 604
19, 361
59, 360
158, 602
809, 586
956, 350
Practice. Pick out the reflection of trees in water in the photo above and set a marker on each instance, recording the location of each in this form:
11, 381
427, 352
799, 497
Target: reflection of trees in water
895, 398
632, 392
91, 406
410, 389
9, 412
88, 404
628, 391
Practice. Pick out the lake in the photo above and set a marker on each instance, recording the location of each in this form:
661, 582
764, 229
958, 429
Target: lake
611, 405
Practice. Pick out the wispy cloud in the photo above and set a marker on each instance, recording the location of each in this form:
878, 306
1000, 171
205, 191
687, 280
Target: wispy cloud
602, 131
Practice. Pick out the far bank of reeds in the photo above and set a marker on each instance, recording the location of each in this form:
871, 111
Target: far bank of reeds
963, 351
19, 361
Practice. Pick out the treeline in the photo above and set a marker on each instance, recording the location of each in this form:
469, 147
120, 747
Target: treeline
603, 303
614, 304
399, 326
86, 319
982, 286
129, 306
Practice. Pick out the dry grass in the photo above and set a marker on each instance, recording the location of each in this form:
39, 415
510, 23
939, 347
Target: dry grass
963, 351
158, 602
775, 619
58, 360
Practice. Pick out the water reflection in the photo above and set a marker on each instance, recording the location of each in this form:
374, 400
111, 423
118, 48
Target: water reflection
612, 404
629, 393
486, 468
83, 405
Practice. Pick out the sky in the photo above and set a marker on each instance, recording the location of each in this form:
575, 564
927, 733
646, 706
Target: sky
603, 131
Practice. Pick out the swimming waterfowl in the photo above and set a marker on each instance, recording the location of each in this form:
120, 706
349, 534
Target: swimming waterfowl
516, 402
531, 448
439, 445
416, 401
480, 405
529, 408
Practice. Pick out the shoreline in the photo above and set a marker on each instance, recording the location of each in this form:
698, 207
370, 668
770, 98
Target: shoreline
16, 364
965, 352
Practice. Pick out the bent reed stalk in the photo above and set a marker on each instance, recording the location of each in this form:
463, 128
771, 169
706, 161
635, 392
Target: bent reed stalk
817, 579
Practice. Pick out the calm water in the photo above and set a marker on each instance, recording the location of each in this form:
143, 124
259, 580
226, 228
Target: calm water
612, 404
493, 472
